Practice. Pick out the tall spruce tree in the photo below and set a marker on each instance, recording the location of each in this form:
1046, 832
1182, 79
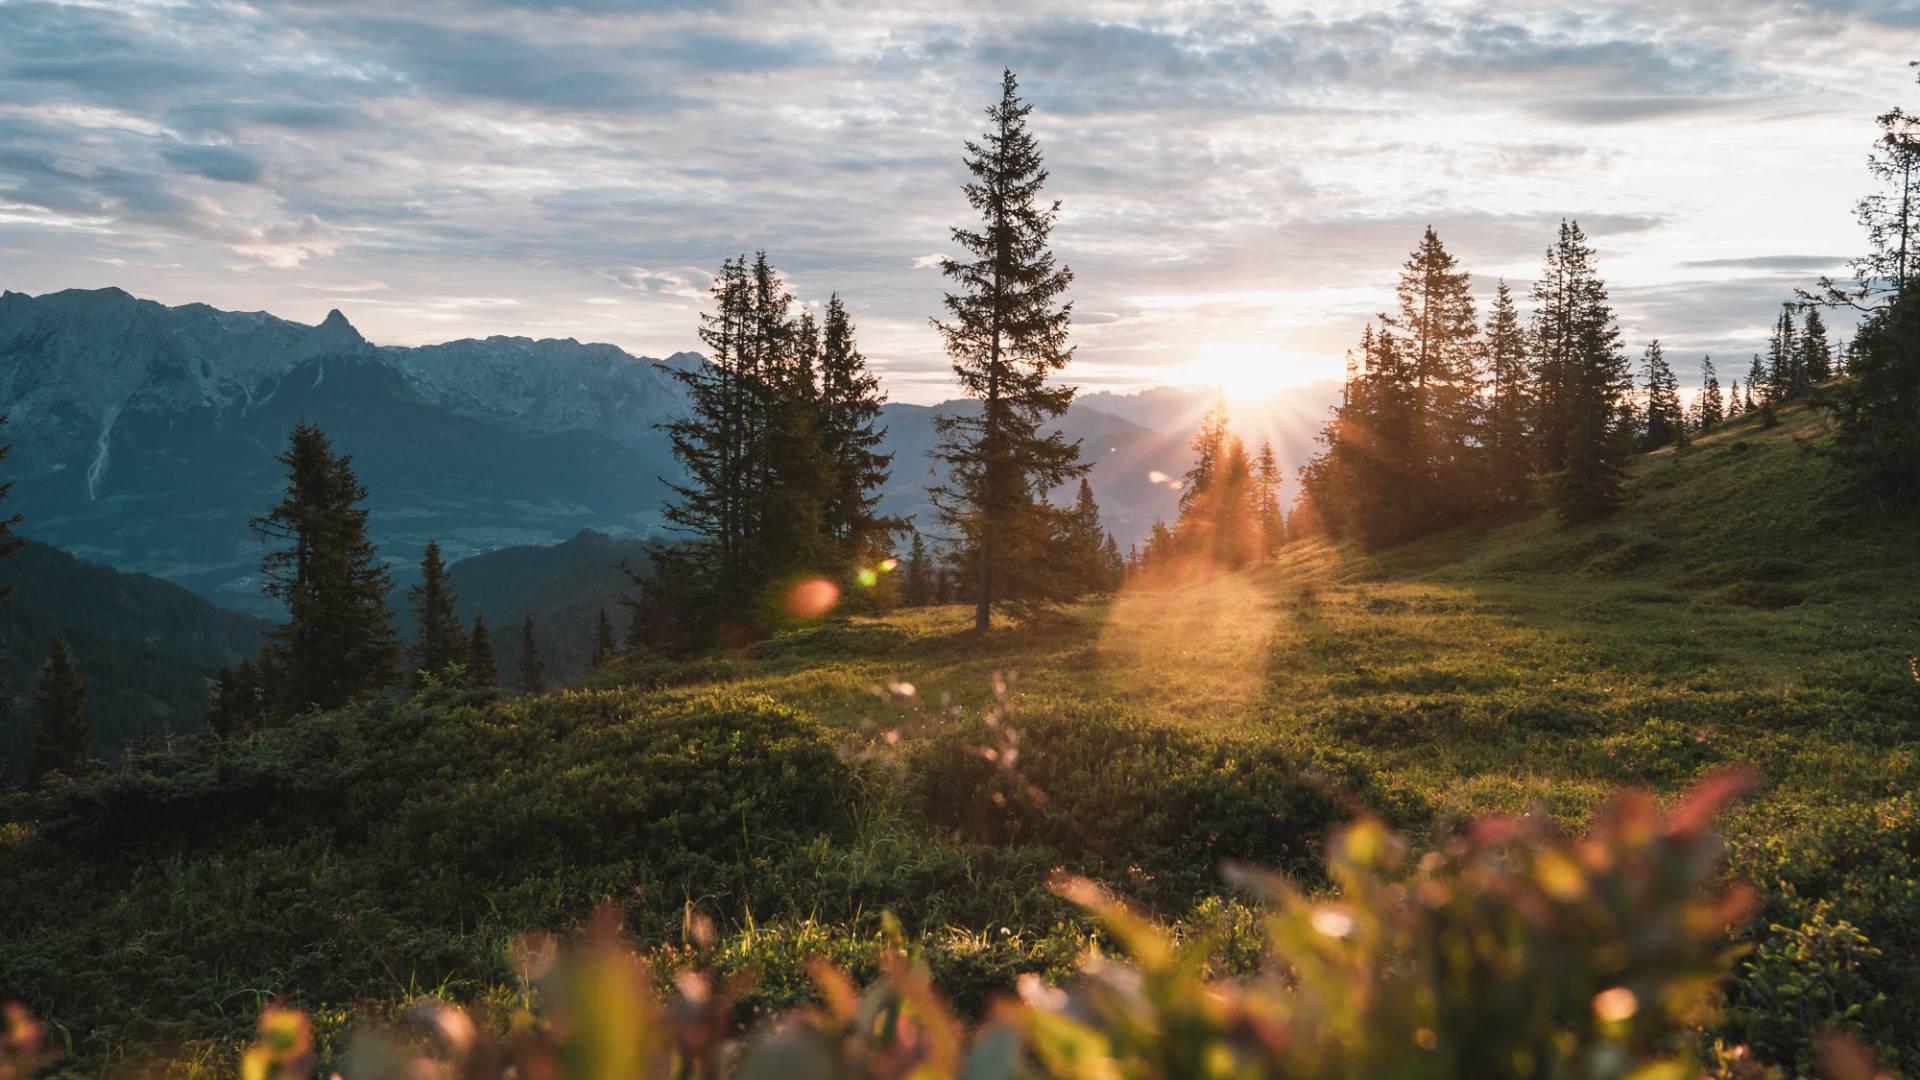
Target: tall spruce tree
850, 401
1713, 407
1878, 407
779, 450
1662, 422
338, 642
62, 734
710, 441
919, 588
789, 459
483, 667
1581, 380
1267, 482
1006, 332
1816, 351
1506, 431
532, 677
1220, 525
237, 704
1357, 485
603, 647
1784, 379
438, 640
1435, 324
1083, 541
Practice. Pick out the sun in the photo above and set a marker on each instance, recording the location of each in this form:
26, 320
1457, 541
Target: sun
1239, 367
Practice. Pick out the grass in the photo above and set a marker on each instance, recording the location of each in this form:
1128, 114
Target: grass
1737, 597
1738, 610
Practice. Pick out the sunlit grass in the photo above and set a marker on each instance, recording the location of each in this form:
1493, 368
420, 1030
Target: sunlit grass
1736, 597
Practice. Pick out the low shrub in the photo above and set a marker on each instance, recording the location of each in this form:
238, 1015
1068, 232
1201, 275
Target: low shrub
378, 849
1516, 951
1158, 804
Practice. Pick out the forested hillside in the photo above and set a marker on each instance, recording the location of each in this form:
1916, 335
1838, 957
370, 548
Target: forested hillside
146, 648
564, 587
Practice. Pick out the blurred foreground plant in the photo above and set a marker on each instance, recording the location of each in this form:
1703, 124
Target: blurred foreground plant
1515, 951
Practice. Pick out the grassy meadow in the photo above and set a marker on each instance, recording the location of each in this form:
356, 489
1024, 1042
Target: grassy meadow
892, 777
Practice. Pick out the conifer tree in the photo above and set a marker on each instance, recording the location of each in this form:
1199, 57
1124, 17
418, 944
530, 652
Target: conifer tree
1736, 404
779, 453
1713, 407
1816, 352
1082, 542
1220, 525
1891, 218
483, 668
338, 642
1116, 564
1506, 432
438, 638
1878, 407
532, 678
1435, 324
603, 647
1266, 498
850, 401
1358, 485
1784, 380
788, 456
710, 442
919, 588
1662, 424
1582, 379
1579, 373
62, 734
238, 702
1006, 332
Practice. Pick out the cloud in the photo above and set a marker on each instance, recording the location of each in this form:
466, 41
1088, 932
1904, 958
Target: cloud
215, 162
1771, 262
1629, 108
660, 282
1230, 171
344, 285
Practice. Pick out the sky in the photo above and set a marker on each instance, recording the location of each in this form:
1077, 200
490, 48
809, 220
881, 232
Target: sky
1239, 181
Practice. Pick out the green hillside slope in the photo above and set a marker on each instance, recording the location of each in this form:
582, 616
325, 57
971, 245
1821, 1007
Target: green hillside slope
1739, 611
563, 586
146, 647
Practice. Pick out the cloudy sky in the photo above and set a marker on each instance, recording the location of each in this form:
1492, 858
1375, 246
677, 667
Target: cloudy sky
1240, 180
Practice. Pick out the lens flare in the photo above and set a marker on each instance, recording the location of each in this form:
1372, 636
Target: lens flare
812, 598
867, 578
887, 565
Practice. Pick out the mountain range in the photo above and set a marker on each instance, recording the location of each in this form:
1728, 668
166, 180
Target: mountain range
145, 436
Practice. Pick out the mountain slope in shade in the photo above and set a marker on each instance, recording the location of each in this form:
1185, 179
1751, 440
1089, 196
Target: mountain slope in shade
146, 647
563, 586
146, 436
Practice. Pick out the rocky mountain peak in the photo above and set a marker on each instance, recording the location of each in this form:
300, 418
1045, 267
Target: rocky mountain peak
335, 332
